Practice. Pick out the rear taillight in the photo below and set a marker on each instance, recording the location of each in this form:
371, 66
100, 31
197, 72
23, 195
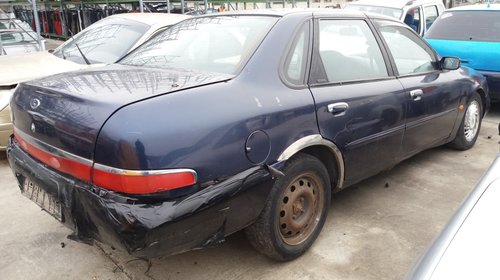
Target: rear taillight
142, 182
114, 179
64, 162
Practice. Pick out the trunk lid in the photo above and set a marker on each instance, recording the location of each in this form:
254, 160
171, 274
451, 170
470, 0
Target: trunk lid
67, 110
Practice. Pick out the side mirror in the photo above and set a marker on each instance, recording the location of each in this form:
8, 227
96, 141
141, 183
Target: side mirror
450, 63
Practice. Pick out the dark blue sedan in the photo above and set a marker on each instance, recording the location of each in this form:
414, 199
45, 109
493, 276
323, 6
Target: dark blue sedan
236, 121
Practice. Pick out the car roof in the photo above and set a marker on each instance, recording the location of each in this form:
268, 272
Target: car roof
304, 11
271, 12
152, 18
478, 7
393, 3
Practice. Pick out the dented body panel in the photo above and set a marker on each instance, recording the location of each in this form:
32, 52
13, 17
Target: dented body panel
150, 229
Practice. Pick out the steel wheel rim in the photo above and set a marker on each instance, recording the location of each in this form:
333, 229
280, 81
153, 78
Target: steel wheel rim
471, 121
300, 209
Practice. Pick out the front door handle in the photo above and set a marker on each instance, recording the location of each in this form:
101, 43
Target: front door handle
338, 109
416, 94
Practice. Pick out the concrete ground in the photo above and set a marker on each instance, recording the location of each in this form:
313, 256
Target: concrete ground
375, 230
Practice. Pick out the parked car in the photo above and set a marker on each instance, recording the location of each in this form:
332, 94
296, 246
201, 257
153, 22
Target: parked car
103, 42
9, 21
17, 37
468, 246
418, 14
233, 121
17, 41
14, 24
471, 33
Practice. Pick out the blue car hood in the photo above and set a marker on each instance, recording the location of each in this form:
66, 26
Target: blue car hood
483, 56
72, 107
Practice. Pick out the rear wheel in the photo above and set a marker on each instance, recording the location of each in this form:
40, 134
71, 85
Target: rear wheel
471, 123
295, 211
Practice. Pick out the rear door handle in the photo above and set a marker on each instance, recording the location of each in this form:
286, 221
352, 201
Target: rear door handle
338, 109
416, 94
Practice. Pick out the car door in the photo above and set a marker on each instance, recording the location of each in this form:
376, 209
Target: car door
413, 18
360, 105
431, 13
432, 99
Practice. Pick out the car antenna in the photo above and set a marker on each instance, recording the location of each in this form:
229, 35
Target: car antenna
79, 50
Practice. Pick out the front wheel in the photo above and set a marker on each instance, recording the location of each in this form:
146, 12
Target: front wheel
471, 123
295, 210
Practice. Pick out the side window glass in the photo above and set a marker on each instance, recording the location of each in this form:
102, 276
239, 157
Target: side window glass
412, 19
409, 51
349, 52
431, 14
295, 63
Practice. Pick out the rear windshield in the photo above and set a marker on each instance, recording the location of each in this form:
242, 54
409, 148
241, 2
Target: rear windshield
104, 41
17, 37
467, 26
392, 12
216, 44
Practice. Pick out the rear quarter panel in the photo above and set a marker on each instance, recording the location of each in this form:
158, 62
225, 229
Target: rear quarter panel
206, 128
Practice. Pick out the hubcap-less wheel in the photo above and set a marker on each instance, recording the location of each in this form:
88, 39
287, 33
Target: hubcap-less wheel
300, 209
471, 121
295, 210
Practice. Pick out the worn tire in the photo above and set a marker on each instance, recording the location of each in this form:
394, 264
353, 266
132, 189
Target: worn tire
470, 125
295, 210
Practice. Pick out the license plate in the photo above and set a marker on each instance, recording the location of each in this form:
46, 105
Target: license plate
38, 195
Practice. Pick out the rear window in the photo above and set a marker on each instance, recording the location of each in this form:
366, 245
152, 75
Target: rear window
216, 44
17, 37
104, 41
467, 26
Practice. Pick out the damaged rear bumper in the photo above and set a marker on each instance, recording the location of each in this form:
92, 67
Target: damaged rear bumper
149, 229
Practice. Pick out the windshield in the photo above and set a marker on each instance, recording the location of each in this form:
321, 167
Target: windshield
467, 26
216, 44
392, 12
17, 37
106, 41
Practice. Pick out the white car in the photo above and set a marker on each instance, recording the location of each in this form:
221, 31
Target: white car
418, 14
9, 21
14, 24
468, 247
104, 42
17, 41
